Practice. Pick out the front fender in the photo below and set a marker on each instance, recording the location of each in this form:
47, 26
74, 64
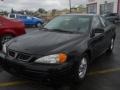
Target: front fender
39, 22
81, 47
8, 31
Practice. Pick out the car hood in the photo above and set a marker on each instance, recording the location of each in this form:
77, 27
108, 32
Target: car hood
41, 42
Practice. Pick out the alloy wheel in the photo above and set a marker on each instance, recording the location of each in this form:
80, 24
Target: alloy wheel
82, 68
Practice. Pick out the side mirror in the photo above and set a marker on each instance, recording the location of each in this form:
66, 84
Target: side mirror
98, 30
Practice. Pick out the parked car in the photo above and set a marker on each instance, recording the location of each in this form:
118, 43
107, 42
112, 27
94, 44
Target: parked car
112, 17
63, 48
27, 20
10, 29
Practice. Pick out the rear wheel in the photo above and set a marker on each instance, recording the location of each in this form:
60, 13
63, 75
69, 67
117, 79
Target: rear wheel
5, 38
111, 47
81, 69
38, 25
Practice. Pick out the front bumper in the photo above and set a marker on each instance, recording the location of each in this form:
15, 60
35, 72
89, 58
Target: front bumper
36, 71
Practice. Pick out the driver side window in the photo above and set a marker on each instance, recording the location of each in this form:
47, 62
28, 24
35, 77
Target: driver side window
105, 22
96, 23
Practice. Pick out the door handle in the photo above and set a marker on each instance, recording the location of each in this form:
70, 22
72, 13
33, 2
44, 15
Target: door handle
102, 36
99, 38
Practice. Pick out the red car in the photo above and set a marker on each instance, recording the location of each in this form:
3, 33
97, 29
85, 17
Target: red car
10, 29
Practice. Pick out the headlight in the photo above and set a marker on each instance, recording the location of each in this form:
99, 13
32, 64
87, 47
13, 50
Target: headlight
52, 59
4, 48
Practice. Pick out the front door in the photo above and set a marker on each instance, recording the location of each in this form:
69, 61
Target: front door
97, 41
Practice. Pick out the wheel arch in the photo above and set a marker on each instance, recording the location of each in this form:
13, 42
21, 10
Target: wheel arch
114, 36
88, 52
39, 22
11, 32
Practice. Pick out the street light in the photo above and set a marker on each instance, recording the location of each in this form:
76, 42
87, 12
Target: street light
70, 5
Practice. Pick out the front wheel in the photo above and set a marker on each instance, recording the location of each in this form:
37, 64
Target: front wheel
81, 69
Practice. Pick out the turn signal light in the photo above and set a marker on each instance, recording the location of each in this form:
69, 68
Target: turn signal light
62, 57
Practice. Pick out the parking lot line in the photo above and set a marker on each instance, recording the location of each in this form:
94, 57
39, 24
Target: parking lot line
104, 71
15, 83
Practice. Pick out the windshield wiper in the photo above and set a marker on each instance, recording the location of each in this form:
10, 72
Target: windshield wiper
60, 30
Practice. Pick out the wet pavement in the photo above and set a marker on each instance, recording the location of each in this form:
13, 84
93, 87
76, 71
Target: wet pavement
104, 74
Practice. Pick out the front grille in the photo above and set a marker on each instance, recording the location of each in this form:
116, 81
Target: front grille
11, 53
23, 57
19, 56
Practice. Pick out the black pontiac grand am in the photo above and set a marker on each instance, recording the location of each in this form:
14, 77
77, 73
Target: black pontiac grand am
63, 48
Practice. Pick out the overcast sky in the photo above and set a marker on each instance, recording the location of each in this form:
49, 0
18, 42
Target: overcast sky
35, 4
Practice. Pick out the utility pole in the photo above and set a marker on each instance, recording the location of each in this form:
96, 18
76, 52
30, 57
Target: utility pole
70, 5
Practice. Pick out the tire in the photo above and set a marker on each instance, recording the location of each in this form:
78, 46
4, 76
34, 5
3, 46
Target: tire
38, 25
111, 47
5, 38
81, 69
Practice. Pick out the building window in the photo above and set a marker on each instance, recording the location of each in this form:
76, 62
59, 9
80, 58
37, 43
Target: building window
106, 8
92, 8
119, 7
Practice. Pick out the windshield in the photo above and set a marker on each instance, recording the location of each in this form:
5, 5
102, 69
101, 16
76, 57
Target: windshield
70, 23
12, 16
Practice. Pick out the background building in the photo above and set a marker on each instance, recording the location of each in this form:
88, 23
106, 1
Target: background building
103, 6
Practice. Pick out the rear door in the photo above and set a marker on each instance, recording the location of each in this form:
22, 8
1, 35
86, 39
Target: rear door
29, 20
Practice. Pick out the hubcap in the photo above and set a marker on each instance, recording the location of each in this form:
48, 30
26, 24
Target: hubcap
38, 25
83, 68
112, 44
5, 39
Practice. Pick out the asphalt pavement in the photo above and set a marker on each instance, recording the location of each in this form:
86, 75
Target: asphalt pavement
104, 74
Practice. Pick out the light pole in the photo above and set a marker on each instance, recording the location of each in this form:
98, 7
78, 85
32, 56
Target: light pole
70, 5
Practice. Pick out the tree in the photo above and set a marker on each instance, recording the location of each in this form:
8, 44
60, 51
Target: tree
82, 8
12, 10
41, 10
53, 12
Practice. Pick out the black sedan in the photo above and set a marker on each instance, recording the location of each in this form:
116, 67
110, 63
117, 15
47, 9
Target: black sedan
63, 48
